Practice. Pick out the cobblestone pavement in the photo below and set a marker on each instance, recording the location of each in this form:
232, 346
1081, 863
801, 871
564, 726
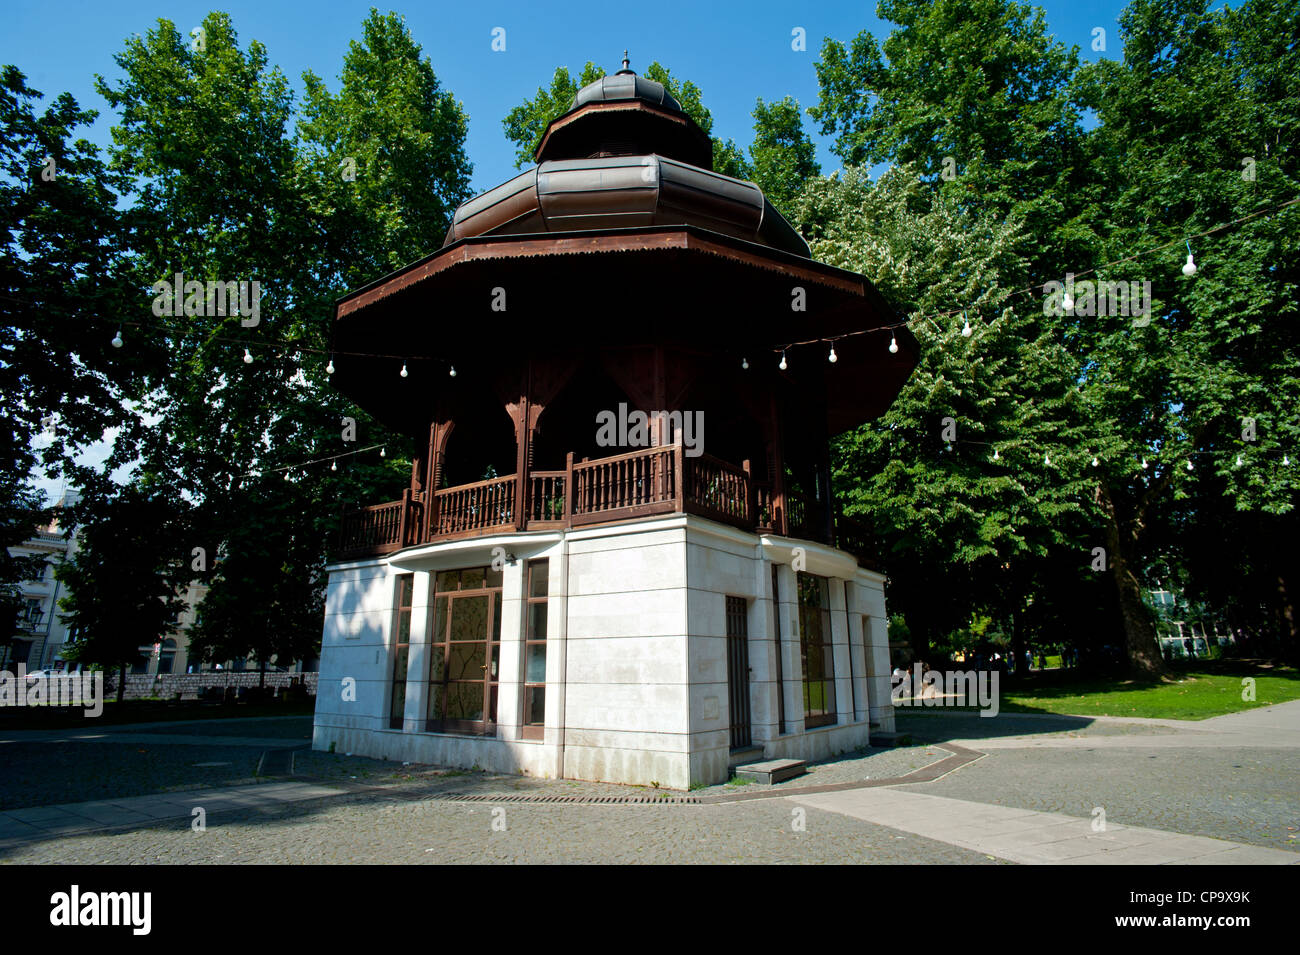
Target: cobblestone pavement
374, 828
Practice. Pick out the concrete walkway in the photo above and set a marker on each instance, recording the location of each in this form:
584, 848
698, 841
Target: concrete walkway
83, 818
1276, 726
1028, 837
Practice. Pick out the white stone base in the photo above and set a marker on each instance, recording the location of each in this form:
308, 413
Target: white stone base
636, 675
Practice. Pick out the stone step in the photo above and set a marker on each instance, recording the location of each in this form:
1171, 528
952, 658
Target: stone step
772, 770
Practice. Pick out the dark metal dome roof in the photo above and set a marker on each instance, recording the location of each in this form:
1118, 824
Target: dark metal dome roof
624, 86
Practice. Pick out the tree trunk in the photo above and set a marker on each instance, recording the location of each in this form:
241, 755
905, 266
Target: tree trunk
1017, 645
1141, 647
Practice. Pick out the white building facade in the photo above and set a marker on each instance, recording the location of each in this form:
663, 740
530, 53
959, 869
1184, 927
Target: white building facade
659, 651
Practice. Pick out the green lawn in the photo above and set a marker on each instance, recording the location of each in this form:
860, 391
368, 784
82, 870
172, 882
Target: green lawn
1197, 692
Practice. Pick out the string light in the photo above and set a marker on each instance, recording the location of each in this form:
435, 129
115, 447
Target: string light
1068, 302
1189, 267
1286, 460
1144, 464
1047, 459
832, 358
1095, 462
1239, 460
404, 372
248, 357
117, 339
783, 366
744, 363
383, 452
1189, 464
965, 329
452, 373
893, 345
995, 454
329, 369
286, 475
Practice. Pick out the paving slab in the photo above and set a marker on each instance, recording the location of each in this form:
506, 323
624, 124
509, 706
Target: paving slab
1033, 837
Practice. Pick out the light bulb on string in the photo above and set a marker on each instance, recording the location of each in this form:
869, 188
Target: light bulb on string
1095, 462
404, 373
383, 452
832, 358
334, 465
286, 475
1068, 302
744, 363
1047, 459
1239, 460
893, 345
965, 329
1286, 460
995, 454
248, 357
1144, 464
329, 369
452, 373
1189, 267
783, 366
1189, 464
117, 339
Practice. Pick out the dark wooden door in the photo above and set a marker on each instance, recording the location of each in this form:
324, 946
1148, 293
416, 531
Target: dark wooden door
738, 671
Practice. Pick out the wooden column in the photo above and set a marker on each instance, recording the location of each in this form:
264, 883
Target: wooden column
779, 523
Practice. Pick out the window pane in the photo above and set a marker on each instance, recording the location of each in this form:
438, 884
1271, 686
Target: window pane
538, 577
439, 629
447, 580
399, 670
534, 705
494, 577
496, 616
472, 579
405, 588
492, 703
404, 626
465, 701
536, 621
437, 664
469, 618
535, 668
496, 658
466, 661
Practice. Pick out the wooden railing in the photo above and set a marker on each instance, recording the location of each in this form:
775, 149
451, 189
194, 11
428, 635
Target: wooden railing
717, 489
474, 507
662, 480
626, 485
546, 498
381, 528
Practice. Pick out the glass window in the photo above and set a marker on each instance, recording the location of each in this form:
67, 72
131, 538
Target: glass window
816, 651
537, 587
401, 649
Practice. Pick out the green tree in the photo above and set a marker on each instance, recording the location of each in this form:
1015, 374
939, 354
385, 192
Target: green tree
257, 207
383, 161
62, 274
783, 158
124, 581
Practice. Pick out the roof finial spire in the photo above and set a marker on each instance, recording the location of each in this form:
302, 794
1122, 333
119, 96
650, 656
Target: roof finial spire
626, 62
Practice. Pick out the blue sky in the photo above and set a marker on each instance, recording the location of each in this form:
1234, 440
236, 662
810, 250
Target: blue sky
734, 52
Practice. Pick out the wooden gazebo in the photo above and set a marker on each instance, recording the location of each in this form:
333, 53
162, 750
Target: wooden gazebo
621, 271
